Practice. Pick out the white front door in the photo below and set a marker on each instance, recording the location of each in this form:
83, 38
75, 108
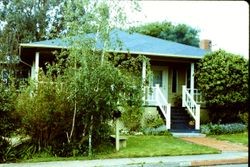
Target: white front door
160, 76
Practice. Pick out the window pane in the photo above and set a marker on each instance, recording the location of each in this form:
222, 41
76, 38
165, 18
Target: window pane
157, 78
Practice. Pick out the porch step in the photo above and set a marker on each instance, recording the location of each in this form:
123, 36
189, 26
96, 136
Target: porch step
180, 120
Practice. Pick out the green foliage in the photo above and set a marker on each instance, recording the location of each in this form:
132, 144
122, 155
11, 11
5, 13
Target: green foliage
23, 150
204, 116
9, 121
152, 121
244, 118
180, 33
217, 129
7, 108
98, 87
98, 82
131, 117
45, 113
68, 110
223, 80
28, 21
4, 146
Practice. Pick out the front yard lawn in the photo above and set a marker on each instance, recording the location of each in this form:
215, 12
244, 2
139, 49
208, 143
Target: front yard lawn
241, 138
149, 146
142, 146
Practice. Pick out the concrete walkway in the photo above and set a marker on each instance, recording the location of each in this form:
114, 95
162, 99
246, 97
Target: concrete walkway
187, 160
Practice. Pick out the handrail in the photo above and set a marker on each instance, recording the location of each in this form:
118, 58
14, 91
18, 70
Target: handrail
193, 108
197, 95
154, 96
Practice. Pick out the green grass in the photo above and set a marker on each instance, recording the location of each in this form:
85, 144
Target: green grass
143, 146
149, 146
241, 138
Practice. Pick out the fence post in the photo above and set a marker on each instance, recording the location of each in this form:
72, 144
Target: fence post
117, 140
197, 117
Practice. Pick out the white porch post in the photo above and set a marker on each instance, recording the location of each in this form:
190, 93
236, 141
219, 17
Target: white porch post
35, 68
144, 66
143, 71
168, 120
183, 95
192, 80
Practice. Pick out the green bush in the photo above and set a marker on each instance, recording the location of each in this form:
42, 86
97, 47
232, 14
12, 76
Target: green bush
46, 114
131, 117
217, 129
154, 122
4, 145
151, 119
244, 118
24, 150
9, 121
204, 116
223, 78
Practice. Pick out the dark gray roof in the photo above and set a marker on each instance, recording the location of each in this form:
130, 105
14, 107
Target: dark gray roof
133, 43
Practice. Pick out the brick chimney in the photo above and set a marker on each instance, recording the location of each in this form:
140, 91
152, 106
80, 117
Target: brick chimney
206, 44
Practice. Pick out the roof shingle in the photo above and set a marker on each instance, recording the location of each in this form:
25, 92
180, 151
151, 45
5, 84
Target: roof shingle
135, 43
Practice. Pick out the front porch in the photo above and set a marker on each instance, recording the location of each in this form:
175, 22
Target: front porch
163, 88
191, 100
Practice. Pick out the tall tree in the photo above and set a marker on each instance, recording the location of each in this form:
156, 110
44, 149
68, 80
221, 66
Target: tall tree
27, 21
181, 33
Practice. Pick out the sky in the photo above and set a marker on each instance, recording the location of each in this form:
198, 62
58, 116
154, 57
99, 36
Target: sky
225, 23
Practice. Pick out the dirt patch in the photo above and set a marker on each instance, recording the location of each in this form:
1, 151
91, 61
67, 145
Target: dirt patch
218, 144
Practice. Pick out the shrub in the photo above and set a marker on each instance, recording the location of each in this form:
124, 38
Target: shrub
153, 122
9, 121
4, 145
46, 115
244, 118
217, 129
222, 78
131, 117
151, 119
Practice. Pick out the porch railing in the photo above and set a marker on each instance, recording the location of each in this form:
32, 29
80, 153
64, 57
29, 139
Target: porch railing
197, 96
155, 97
192, 106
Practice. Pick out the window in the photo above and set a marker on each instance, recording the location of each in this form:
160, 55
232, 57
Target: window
174, 81
157, 78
